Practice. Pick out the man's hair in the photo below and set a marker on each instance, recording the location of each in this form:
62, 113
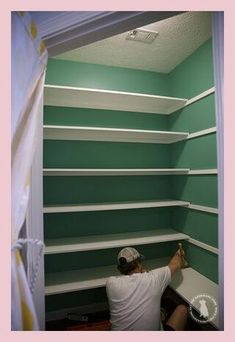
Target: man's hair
126, 268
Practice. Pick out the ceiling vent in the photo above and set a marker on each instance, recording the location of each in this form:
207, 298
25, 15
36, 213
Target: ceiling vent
141, 35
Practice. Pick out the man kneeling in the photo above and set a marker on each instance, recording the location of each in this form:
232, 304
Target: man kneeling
135, 296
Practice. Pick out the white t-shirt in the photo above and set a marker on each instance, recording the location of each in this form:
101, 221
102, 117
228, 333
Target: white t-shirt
134, 300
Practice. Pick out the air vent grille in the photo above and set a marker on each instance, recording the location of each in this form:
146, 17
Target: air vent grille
141, 35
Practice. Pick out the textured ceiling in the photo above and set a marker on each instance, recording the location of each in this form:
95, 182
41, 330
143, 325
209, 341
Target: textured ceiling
178, 37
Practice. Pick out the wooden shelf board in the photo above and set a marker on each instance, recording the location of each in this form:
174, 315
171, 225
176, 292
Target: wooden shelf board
53, 132
189, 283
112, 206
61, 282
204, 208
203, 172
87, 243
67, 96
112, 172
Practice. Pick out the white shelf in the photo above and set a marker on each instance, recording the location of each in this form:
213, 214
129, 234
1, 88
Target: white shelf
112, 206
52, 132
65, 96
188, 283
203, 245
200, 96
83, 279
113, 172
125, 172
203, 172
202, 133
203, 208
88, 243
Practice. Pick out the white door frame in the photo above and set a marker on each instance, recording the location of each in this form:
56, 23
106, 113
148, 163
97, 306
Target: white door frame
218, 57
34, 227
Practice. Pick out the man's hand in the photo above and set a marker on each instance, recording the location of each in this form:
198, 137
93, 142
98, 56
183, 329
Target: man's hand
177, 262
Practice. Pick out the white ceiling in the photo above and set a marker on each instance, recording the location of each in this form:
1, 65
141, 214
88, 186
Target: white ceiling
178, 37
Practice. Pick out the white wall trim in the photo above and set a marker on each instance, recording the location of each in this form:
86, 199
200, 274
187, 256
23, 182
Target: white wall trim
201, 133
200, 96
204, 246
203, 208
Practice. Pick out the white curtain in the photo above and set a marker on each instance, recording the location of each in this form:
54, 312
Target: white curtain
29, 59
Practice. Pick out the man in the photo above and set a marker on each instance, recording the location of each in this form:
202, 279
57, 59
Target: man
135, 296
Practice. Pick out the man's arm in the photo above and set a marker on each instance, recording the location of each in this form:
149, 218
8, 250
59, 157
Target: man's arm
176, 262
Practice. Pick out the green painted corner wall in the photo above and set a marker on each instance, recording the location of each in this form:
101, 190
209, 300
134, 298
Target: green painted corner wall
199, 225
202, 261
197, 189
195, 74
190, 78
198, 116
197, 153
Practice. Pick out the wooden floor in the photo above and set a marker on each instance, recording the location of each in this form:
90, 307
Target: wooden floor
91, 322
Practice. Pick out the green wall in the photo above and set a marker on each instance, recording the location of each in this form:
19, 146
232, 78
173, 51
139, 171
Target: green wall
194, 75
72, 190
105, 222
105, 77
197, 189
197, 153
103, 118
202, 261
97, 154
190, 78
196, 117
199, 225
